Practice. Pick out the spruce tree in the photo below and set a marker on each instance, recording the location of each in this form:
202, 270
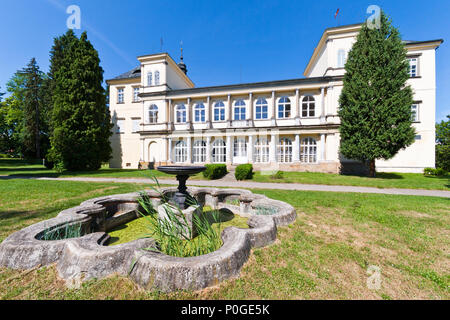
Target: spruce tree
375, 103
80, 120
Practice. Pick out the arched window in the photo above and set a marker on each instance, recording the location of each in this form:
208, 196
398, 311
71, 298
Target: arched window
199, 112
153, 114
308, 107
284, 150
308, 150
219, 111
199, 152
261, 109
149, 79
219, 151
180, 152
261, 153
240, 147
239, 110
284, 107
341, 58
180, 113
156, 78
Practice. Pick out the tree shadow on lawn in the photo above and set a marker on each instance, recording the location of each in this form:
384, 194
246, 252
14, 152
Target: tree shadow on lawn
379, 175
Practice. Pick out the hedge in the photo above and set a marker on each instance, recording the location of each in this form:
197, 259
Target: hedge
244, 172
215, 171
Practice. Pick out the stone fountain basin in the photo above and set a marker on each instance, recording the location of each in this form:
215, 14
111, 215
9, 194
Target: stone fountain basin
181, 170
87, 257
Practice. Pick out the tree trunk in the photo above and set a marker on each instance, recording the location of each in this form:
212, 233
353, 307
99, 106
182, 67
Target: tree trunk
372, 171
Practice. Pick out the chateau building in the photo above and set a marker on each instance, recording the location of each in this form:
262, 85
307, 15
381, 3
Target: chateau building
160, 117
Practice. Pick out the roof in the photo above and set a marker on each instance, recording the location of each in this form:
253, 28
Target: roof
133, 73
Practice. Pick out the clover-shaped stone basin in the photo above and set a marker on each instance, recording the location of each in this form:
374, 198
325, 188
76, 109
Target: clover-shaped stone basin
84, 254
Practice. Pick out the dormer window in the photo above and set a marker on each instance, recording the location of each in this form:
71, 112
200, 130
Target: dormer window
413, 66
341, 58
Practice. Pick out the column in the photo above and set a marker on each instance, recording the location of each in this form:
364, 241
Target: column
296, 113
322, 147
296, 149
208, 149
170, 113
250, 110
230, 112
169, 149
143, 150
250, 149
230, 141
189, 113
208, 113
189, 149
322, 98
274, 111
273, 148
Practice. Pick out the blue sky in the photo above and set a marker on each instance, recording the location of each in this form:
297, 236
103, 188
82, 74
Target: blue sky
224, 42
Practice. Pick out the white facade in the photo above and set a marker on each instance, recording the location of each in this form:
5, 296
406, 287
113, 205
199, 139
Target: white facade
277, 125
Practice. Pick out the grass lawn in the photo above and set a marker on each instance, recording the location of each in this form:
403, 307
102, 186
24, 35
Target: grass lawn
325, 254
18, 168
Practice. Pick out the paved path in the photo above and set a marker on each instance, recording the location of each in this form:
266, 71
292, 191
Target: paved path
266, 185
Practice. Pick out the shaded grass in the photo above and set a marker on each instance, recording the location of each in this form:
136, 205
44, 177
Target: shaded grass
323, 255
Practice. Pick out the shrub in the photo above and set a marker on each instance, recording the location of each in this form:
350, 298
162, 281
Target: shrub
244, 172
434, 172
277, 175
215, 171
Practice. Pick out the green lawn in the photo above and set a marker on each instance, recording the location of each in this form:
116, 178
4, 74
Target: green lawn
325, 254
18, 168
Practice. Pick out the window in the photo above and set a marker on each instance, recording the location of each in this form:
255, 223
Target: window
308, 150
181, 152
156, 78
308, 107
135, 94
153, 114
413, 67
149, 79
120, 126
135, 124
239, 110
240, 148
261, 154
219, 151
199, 154
180, 113
284, 150
199, 112
120, 95
284, 108
219, 111
415, 113
261, 109
341, 58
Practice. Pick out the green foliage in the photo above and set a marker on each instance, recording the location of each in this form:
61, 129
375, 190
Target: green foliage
375, 104
265, 211
439, 172
244, 171
277, 175
68, 231
443, 144
215, 171
80, 120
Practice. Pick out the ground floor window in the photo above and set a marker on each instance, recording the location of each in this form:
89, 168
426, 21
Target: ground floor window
181, 152
284, 150
199, 154
240, 148
219, 151
308, 150
261, 154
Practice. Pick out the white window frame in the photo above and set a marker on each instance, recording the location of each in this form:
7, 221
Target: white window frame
308, 150
157, 78
181, 152
199, 112
284, 150
261, 109
219, 111
262, 151
284, 108
149, 78
136, 91
199, 151
413, 62
120, 95
415, 112
240, 109
180, 113
310, 106
219, 151
341, 58
153, 114
240, 147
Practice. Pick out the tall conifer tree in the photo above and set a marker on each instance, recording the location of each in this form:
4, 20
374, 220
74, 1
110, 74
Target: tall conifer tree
375, 103
80, 120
